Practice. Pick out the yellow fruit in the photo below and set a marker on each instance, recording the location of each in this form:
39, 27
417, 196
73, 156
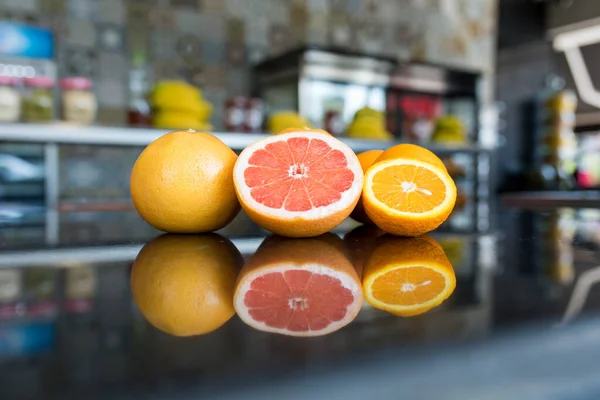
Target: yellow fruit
183, 183
411, 152
282, 120
177, 96
408, 197
183, 285
179, 120
366, 159
368, 112
407, 277
369, 127
449, 129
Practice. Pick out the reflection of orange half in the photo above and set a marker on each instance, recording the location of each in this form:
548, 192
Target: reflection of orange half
183, 285
298, 287
407, 276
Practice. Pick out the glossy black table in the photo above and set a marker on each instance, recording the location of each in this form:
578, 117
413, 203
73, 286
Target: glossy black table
523, 321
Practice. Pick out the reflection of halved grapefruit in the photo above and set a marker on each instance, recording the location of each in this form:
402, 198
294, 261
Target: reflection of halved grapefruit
298, 184
298, 287
407, 276
183, 285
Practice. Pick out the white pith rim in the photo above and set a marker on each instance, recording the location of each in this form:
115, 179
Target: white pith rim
347, 282
449, 278
448, 183
347, 198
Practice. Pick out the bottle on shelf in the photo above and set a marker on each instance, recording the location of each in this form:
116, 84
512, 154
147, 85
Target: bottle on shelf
10, 101
38, 99
79, 103
235, 113
556, 141
139, 111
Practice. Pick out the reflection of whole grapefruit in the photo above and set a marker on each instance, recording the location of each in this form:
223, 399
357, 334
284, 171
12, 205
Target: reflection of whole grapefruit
298, 287
183, 183
183, 285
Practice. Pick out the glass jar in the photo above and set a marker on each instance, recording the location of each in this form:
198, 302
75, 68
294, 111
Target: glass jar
235, 111
10, 100
79, 103
255, 115
38, 100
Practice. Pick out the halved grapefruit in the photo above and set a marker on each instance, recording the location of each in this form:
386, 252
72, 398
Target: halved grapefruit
298, 184
298, 287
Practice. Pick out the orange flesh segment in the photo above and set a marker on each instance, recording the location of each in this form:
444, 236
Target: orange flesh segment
297, 300
298, 174
408, 286
409, 188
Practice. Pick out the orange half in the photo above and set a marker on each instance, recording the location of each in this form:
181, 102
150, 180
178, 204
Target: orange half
408, 197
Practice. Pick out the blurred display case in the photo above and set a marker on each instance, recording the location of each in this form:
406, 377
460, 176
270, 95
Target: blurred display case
317, 82
423, 102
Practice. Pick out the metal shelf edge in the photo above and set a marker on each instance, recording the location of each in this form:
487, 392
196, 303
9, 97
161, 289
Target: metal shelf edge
114, 136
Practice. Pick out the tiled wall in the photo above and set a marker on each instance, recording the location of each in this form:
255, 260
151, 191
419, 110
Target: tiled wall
213, 42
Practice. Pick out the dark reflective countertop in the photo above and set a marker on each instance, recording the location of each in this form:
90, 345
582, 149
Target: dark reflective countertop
80, 319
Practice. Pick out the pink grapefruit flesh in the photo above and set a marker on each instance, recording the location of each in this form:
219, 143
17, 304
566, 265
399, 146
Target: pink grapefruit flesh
298, 174
299, 301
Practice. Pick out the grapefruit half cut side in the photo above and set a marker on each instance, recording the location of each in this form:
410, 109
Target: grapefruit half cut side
298, 184
298, 287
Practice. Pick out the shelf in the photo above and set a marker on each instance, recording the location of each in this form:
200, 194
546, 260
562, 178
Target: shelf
113, 136
553, 199
95, 255
66, 257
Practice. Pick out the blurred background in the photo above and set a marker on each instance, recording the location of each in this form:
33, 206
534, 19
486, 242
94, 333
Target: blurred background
84, 85
506, 92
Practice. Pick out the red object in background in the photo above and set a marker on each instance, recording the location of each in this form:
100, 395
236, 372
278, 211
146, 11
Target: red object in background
254, 115
584, 180
416, 109
333, 122
79, 306
235, 114
416, 106
41, 309
139, 118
